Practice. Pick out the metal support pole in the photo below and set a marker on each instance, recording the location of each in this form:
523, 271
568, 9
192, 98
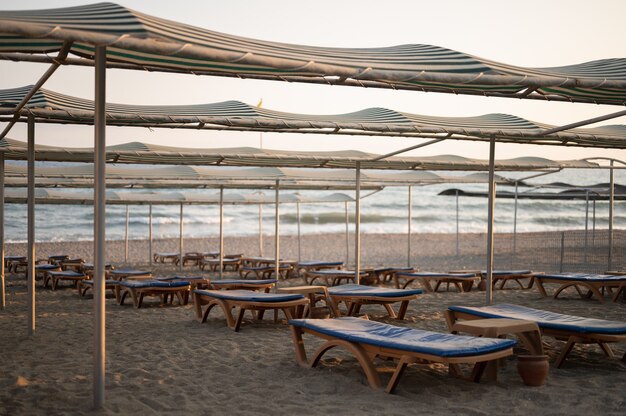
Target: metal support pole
99, 304
408, 254
562, 251
261, 230
31, 226
515, 221
490, 220
277, 234
347, 235
126, 235
457, 223
611, 204
221, 232
2, 282
150, 234
357, 227
586, 224
180, 239
299, 243
593, 230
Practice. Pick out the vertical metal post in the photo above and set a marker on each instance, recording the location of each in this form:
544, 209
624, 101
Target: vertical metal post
261, 229
408, 254
347, 235
221, 232
180, 238
31, 226
515, 221
611, 202
150, 235
586, 224
562, 251
490, 219
2, 282
357, 227
99, 305
277, 234
299, 243
457, 223
126, 235
593, 230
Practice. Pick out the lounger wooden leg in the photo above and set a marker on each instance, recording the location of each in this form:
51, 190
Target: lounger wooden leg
359, 353
450, 319
242, 311
439, 282
541, 289
205, 315
298, 343
607, 349
565, 351
390, 310
458, 286
396, 282
137, 299
395, 378
502, 283
403, 308
477, 371
530, 283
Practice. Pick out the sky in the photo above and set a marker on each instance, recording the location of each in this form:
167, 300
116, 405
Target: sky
530, 33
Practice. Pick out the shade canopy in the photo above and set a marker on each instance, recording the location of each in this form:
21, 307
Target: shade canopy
144, 153
52, 107
138, 41
81, 175
74, 197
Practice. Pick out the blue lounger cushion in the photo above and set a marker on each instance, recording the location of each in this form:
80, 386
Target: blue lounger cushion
320, 263
434, 274
403, 338
66, 273
336, 272
131, 272
388, 269
507, 272
143, 284
46, 267
106, 282
546, 319
582, 277
362, 290
185, 278
243, 281
247, 295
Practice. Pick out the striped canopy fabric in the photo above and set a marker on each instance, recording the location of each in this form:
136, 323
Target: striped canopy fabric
77, 197
182, 176
138, 41
143, 153
50, 106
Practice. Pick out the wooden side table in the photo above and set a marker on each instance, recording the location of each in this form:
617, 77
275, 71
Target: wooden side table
313, 293
527, 332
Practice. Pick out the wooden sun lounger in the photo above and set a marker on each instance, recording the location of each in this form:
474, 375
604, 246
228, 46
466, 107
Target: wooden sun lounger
462, 282
263, 285
569, 328
264, 272
354, 296
84, 286
245, 300
214, 264
66, 275
307, 266
130, 274
504, 276
388, 274
367, 340
173, 258
331, 277
42, 270
138, 289
595, 284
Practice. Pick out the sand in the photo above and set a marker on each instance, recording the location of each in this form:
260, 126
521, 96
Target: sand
161, 360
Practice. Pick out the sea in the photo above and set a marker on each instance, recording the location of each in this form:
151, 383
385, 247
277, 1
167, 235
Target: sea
385, 211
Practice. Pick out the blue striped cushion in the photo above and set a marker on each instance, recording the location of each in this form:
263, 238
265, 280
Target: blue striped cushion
250, 296
362, 290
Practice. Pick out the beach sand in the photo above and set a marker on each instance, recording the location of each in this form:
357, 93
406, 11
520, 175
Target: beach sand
161, 360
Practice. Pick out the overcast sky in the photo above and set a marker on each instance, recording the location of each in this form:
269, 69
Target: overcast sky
532, 33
